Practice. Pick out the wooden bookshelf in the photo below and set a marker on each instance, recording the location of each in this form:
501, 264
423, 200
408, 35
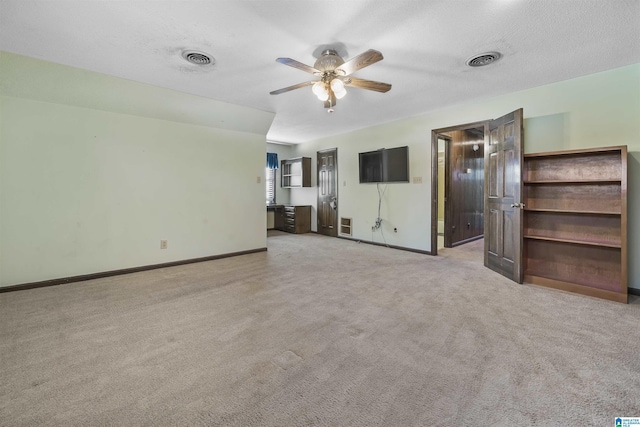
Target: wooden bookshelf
575, 221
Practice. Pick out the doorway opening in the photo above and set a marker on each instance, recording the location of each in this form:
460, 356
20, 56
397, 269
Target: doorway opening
457, 185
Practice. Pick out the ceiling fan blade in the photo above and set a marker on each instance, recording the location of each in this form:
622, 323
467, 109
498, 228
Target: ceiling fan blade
367, 84
288, 88
299, 65
356, 63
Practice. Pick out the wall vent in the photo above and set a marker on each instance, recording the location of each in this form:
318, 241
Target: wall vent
345, 226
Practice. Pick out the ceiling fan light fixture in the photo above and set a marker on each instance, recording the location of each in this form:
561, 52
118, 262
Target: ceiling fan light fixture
323, 96
337, 85
321, 91
318, 88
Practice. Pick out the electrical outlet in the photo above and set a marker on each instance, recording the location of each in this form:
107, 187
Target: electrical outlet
163, 244
258, 179
417, 180
395, 230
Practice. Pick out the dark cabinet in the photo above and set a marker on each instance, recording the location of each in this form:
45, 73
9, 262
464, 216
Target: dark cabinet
295, 173
293, 219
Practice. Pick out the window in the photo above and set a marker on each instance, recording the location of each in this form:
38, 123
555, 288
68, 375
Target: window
272, 166
271, 185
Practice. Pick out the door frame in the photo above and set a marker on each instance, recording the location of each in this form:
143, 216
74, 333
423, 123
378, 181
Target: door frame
434, 172
335, 168
447, 189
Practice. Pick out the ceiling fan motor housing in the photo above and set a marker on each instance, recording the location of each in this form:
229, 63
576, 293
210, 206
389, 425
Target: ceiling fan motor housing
328, 62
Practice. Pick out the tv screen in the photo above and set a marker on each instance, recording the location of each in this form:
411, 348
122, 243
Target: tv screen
385, 165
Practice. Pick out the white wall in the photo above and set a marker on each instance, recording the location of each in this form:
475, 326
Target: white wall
591, 111
86, 191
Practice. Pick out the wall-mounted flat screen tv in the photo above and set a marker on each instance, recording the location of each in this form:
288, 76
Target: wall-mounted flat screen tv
385, 165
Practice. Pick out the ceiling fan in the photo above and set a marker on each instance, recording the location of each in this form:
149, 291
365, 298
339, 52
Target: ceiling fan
334, 75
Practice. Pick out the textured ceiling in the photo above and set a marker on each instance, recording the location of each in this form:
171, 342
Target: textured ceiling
425, 44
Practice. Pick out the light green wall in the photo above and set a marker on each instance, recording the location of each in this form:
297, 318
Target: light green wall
602, 109
95, 170
24, 77
85, 191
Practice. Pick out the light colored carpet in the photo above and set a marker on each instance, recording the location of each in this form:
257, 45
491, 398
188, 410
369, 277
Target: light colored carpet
317, 331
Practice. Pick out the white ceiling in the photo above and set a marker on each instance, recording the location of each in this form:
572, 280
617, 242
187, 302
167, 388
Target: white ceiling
425, 44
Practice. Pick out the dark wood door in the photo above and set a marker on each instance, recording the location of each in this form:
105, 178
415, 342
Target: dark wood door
328, 192
503, 196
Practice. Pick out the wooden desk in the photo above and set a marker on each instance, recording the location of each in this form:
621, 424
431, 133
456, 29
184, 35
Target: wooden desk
292, 219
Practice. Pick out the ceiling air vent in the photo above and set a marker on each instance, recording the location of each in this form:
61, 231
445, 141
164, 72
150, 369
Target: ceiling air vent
483, 59
197, 58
